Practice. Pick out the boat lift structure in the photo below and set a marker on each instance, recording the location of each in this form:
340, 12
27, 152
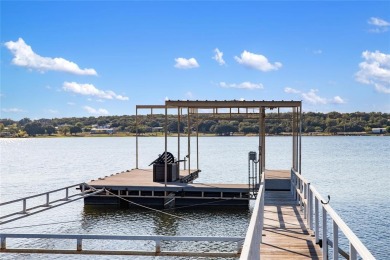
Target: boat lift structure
225, 110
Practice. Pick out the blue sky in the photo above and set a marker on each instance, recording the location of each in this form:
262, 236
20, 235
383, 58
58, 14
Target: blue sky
91, 58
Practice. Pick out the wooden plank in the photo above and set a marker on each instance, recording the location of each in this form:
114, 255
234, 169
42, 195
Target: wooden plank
277, 174
286, 235
143, 178
277, 180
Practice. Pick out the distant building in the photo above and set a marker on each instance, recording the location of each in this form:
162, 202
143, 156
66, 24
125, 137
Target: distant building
158, 129
102, 131
378, 130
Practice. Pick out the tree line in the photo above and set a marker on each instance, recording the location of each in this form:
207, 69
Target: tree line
313, 122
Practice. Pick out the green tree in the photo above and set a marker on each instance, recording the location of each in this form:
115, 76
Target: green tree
75, 130
34, 128
172, 127
225, 129
50, 129
64, 129
24, 121
79, 124
205, 126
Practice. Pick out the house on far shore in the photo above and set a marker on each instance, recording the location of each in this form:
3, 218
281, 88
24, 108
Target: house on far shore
102, 130
378, 130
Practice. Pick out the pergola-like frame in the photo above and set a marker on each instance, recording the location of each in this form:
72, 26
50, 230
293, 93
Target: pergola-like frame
227, 109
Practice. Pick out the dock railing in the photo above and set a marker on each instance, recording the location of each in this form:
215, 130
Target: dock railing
47, 200
312, 204
253, 238
158, 251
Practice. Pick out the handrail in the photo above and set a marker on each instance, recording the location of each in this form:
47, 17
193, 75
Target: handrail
157, 239
253, 238
40, 194
305, 193
49, 203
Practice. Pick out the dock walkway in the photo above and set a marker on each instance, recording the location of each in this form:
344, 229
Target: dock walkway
285, 232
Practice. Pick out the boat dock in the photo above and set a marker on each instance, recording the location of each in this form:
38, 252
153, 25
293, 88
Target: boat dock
136, 186
290, 219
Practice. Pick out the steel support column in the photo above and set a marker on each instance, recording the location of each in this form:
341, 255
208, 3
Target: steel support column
136, 138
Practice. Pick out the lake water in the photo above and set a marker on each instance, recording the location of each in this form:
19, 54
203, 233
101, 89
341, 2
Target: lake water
354, 171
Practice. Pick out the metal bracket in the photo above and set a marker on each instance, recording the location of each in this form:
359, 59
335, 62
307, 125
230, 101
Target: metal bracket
327, 201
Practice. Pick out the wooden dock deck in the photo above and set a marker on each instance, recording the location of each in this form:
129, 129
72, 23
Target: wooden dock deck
285, 235
138, 186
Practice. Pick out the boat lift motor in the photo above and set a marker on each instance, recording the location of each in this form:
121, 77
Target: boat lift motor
252, 173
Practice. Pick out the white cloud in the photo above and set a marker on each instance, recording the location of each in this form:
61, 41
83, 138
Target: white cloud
379, 25
12, 110
25, 57
338, 100
94, 111
375, 71
71, 103
218, 56
243, 85
257, 61
313, 98
52, 111
317, 52
182, 63
91, 90
291, 90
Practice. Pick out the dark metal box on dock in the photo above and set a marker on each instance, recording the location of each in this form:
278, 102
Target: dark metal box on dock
159, 172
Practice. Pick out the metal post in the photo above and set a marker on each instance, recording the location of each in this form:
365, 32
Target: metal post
136, 138
293, 139
158, 246
166, 148
47, 199
3, 243
300, 139
178, 136
335, 241
79, 244
189, 140
262, 213
317, 220
324, 235
239, 247
249, 174
24, 206
67, 194
197, 139
352, 252
304, 197
260, 144
310, 207
263, 139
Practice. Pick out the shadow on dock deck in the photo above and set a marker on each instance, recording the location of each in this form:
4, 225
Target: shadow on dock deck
286, 235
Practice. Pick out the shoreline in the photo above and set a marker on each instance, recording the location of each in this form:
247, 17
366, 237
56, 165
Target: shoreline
182, 135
